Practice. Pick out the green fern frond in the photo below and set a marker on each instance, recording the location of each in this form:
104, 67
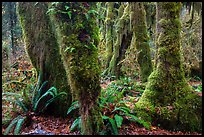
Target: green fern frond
43, 96
118, 120
13, 122
52, 99
113, 124
6, 121
21, 104
36, 89
19, 125
140, 121
124, 109
75, 123
16, 100
38, 92
73, 106
11, 94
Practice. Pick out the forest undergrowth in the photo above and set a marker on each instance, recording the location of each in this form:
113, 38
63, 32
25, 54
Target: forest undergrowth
117, 105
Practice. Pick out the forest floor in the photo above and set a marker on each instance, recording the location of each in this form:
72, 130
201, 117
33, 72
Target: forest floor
49, 125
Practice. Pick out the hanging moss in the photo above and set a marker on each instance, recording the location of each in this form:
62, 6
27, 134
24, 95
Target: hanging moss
79, 39
42, 48
142, 39
168, 99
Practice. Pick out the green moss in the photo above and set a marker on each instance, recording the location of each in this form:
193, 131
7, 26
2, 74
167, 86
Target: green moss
142, 40
81, 64
174, 104
43, 50
123, 40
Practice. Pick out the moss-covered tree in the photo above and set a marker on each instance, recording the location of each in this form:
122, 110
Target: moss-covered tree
109, 31
123, 40
168, 99
78, 38
150, 8
43, 50
139, 26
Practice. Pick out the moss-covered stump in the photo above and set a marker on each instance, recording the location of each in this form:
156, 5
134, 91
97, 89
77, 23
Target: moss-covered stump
168, 100
78, 38
43, 50
139, 25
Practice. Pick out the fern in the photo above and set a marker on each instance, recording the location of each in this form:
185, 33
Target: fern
73, 106
53, 92
140, 121
36, 89
52, 99
19, 125
16, 100
43, 96
124, 109
13, 122
77, 122
114, 127
119, 120
37, 92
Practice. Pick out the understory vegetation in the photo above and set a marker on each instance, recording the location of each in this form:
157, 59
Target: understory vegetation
117, 103
101, 68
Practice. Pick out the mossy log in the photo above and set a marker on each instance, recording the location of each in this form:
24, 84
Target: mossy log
43, 50
168, 100
79, 37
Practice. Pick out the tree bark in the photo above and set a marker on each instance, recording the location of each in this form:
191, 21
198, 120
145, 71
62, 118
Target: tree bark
168, 99
109, 32
11, 16
123, 40
139, 26
78, 38
43, 50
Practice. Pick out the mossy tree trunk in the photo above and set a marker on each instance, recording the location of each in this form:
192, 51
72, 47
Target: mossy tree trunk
123, 41
43, 50
138, 20
150, 8
168, 99
109, 31
101, 18
79, 38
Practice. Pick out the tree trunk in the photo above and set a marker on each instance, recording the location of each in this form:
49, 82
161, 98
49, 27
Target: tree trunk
139, 26
123, 41
11, 14
43, 50
168, 99
78, 38
109, 32
15, 27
